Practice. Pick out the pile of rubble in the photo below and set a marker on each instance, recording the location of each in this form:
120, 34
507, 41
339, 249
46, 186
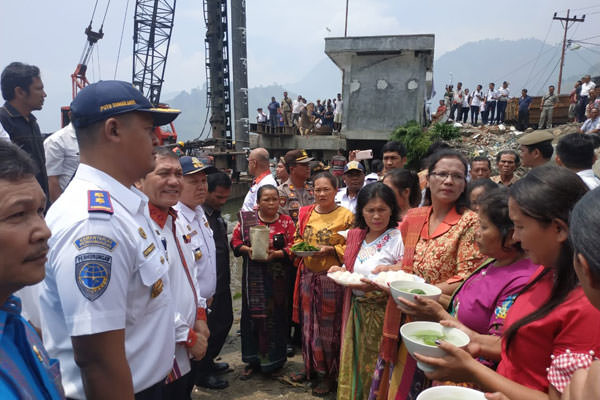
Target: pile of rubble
488, 140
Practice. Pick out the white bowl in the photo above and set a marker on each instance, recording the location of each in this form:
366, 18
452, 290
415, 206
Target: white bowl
431, 292
450, 393
414, 345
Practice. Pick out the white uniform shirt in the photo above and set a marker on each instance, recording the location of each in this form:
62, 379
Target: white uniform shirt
589, 178
475, 101
339, 107
342, 199
62, 155
297, 107
586, 87
184, 294
250, 199
491, 95
503, 94
106, 272
198, 239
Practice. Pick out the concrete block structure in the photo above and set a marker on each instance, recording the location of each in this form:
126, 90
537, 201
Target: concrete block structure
386, 82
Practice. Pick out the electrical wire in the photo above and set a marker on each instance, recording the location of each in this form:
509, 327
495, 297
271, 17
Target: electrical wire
121, 40
547, 79
540, 52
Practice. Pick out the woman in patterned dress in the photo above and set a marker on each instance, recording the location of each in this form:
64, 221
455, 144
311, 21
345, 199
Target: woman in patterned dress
265, 295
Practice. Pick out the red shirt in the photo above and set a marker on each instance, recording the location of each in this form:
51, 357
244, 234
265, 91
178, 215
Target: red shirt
573, 325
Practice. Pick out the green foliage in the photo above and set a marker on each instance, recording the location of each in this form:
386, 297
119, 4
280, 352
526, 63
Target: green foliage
417, 140
440, 131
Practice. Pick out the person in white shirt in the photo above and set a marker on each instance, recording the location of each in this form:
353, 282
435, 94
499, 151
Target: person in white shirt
476, 100
576, 152
586, 85
457, 98
259, 168
354, 179
464, 107
337, 113
4, 135
592, 124
163, 187
261, 117
106, 302
490, 105
62, 159
503, 95
297, 107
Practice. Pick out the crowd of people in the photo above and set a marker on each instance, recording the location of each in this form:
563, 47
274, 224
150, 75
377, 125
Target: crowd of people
491, 104
126, 275
324, 115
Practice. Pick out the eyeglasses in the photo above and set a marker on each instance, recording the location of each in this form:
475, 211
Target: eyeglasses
442, 176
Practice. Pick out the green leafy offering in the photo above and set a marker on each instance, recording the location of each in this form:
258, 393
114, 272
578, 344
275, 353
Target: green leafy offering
429, 337
303, 246
413, 291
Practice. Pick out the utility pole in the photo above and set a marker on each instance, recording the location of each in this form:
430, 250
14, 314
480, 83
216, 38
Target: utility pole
346, 23
566, 22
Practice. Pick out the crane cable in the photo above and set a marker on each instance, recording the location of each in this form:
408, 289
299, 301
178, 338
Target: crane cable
121, 41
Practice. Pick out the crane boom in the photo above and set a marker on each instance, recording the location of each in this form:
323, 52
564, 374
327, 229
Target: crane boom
153, 24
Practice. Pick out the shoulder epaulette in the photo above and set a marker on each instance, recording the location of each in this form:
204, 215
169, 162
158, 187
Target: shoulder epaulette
99, 202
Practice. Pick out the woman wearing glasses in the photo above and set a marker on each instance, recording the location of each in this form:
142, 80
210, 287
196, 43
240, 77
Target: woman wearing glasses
439, 245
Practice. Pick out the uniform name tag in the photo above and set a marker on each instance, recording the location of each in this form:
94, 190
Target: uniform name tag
92, 274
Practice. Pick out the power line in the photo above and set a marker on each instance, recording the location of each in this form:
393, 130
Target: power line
540, 52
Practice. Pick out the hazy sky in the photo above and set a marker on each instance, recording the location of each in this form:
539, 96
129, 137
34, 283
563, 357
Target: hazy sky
285, 38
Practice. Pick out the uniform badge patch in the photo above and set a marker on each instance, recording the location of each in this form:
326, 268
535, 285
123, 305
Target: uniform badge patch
197, 254
99, 201
95, 240
282, 201
149, 250
142, 233
92, 274
157, 288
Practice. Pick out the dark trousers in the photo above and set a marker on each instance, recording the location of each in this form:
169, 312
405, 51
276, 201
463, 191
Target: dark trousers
501, 113
181, 389
455, 108
474, 114
219, 321
490, 111
583, 101
464, 114
273, 121
523, 120
154, 392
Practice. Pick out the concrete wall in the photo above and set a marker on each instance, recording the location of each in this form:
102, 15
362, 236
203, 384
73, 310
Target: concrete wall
323, 147
386, 81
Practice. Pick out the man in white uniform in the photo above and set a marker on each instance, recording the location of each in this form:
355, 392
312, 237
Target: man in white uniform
258, 167
106, 302
163, 187
62, 158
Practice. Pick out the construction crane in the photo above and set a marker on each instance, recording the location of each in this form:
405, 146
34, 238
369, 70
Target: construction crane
152, 27
78, 78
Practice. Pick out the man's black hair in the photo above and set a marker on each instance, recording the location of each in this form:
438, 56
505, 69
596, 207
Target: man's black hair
482, 158
218, 179
576, 151
15, 75
15, 164
512, 153
395, 147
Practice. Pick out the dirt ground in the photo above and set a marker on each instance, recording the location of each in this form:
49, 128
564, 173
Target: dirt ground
258, 386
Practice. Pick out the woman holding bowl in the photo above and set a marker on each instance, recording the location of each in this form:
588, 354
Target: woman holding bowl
373, 242
551, 318
482, 301
265, 286
439, 246
317, 298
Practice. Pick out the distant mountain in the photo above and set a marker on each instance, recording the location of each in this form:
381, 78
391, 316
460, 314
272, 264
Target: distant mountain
525, 63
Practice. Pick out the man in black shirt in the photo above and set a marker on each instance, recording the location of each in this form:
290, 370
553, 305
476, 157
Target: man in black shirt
23, 90
220, 317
